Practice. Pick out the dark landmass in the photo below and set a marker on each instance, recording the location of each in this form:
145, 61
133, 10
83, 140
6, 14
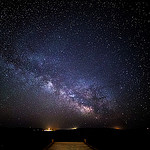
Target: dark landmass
23, 139
37, 139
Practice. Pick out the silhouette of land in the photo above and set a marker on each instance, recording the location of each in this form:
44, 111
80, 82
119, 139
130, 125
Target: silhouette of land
37, 139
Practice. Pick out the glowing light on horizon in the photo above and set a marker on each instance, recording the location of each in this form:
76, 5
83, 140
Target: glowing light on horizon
49, 129
117, 128
74, 128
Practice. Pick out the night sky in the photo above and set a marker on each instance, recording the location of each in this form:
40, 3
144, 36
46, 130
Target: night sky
74, 63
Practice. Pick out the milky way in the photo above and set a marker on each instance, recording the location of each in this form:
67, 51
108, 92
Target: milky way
74, 64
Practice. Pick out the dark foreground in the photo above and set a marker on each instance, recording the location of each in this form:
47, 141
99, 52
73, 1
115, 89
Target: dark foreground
102, 139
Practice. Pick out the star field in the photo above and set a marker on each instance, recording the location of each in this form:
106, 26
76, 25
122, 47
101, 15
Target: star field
74, 64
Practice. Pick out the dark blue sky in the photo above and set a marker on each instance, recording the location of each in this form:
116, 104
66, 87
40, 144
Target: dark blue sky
74, 64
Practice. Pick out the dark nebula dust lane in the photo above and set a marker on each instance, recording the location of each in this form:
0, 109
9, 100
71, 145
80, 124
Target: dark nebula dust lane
74, 64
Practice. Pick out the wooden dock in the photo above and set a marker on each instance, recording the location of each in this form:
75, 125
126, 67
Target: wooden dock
69, 146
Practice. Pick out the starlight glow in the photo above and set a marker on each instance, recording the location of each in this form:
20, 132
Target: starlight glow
74, 63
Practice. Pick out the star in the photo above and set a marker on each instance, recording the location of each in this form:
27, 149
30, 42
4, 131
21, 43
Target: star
74, 63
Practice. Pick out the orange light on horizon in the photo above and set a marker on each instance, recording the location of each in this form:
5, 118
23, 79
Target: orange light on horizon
74, 128
49, 129
117, 128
